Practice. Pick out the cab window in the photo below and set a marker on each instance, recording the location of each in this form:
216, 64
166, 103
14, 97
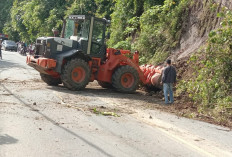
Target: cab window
97, 37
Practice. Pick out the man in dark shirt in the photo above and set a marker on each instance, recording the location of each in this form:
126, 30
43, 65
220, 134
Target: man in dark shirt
168, 79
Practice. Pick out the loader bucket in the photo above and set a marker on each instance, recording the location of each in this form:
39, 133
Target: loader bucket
152, 74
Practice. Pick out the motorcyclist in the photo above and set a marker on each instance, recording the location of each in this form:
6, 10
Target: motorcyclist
24, 48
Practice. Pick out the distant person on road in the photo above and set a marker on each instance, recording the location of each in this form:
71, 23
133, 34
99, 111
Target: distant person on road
1, 49
168, 79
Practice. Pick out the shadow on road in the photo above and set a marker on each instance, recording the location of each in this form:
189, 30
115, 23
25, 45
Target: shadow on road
55, 123
6, 139
6, 65
109, 93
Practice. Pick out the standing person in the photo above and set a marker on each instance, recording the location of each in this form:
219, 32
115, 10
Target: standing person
168, 79
17, 46
1, 49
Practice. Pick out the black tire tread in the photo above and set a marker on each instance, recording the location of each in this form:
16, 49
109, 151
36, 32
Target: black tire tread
66, 74
116, 79
50, 80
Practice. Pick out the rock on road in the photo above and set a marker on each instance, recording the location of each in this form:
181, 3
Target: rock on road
39, 120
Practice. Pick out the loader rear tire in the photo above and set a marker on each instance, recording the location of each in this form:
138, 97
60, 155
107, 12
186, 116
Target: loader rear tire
75, 74
104, 84
50, 80
125, 79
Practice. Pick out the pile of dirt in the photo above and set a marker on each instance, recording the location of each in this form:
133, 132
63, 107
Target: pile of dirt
182, 107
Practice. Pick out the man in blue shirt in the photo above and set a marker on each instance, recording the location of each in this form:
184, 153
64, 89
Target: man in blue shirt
168, 79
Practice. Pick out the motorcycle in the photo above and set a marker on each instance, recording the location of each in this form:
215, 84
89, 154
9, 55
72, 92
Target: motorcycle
31, 49
22, 49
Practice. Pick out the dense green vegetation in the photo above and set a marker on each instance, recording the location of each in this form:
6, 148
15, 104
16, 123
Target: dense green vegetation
151, 26
154, 30
5, 7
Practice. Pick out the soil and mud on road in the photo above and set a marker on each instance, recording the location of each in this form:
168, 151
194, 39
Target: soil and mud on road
40, 120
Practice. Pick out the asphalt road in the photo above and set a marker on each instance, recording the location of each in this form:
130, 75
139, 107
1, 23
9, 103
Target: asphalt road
37, 120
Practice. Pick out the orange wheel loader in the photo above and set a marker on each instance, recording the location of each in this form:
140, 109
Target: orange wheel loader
81, 56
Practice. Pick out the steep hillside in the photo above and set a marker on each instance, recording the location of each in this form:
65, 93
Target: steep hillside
204, 61
195, 29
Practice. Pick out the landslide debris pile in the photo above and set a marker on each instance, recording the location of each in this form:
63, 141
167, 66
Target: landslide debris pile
204, 61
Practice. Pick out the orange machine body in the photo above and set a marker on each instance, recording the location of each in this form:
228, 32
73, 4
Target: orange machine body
115, 59
43, 65
103, 70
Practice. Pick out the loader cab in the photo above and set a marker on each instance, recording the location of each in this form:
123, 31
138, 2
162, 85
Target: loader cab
89, 32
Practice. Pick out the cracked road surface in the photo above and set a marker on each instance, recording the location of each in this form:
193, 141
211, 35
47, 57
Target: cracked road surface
39, 120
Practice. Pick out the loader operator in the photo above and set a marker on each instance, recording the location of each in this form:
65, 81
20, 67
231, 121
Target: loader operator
168, 79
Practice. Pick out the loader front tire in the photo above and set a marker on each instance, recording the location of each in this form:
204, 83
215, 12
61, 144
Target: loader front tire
125, 79
50, 80
75, 74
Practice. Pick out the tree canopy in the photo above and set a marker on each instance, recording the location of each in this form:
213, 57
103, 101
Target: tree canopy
27, 19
